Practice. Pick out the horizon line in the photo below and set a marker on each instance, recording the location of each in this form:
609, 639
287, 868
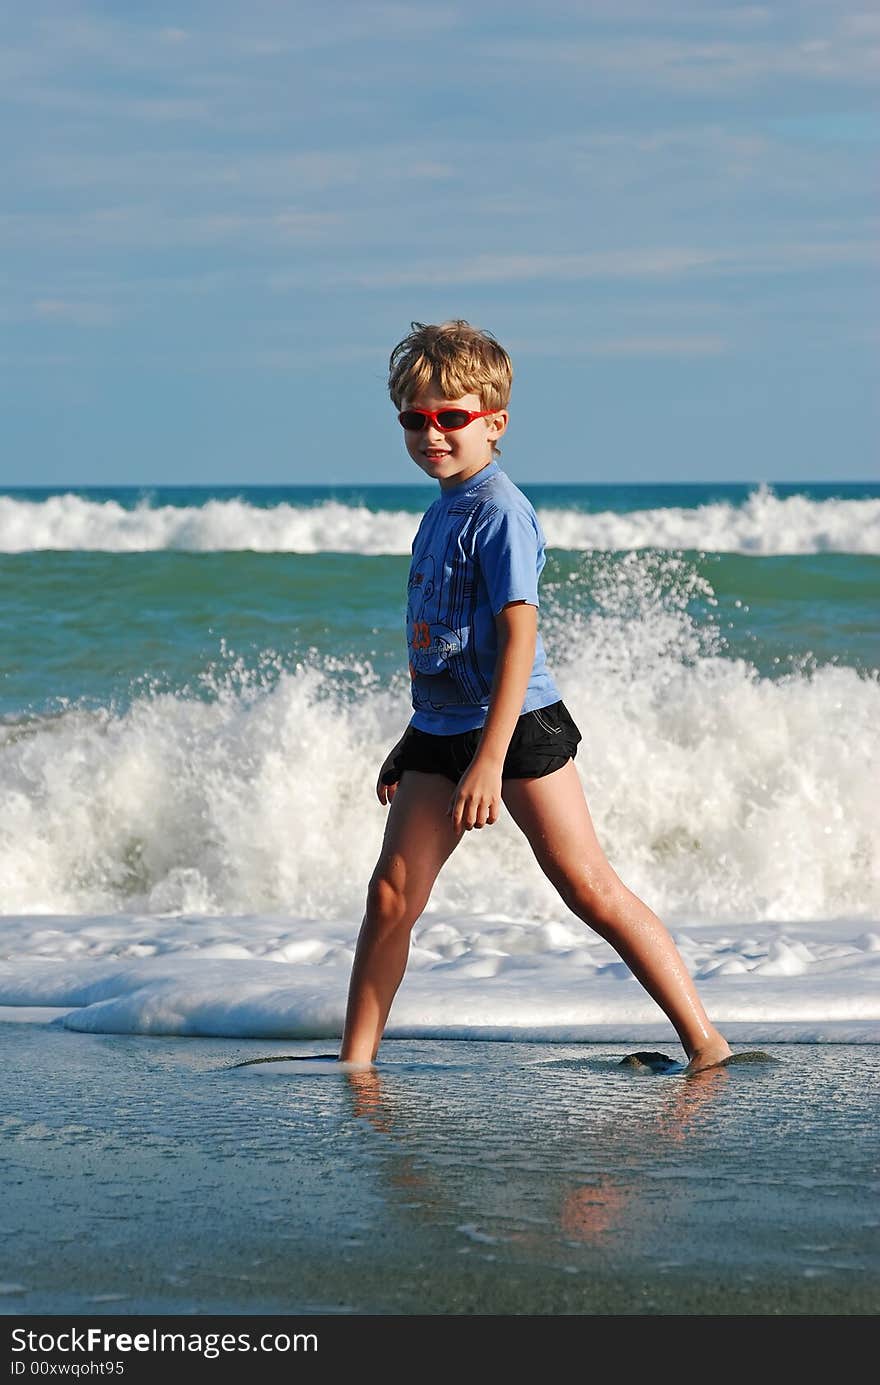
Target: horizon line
414, 485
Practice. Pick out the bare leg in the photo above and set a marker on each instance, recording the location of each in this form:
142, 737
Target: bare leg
553, 814
418, 839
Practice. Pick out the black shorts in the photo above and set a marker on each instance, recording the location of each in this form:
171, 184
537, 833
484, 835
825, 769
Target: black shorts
542, 742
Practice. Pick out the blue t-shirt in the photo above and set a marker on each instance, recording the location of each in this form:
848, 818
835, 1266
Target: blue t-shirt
478, 547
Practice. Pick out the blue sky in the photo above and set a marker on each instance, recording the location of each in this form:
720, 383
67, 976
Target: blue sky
218, 218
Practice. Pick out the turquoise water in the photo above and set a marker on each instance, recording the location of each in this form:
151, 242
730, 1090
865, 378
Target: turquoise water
78, 624
99, 627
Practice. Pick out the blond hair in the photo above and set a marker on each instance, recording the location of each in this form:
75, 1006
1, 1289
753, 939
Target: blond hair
459, 358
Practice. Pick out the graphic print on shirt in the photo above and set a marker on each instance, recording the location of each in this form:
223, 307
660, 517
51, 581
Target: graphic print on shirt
474, 552
442, 594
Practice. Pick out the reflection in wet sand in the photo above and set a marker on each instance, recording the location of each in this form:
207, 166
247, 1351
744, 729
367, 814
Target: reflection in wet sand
539, 1200
589, 1212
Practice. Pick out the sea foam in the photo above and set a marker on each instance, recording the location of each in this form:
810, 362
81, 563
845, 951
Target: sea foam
763, 524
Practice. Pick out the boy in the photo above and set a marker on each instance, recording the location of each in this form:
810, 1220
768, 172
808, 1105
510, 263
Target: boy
489, 726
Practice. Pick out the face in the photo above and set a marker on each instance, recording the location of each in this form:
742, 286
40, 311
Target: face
452, 458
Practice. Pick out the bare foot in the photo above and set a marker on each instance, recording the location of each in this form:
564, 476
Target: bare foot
355, 1064
715, 1051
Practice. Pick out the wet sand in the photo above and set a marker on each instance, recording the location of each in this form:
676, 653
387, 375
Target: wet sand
152, 1176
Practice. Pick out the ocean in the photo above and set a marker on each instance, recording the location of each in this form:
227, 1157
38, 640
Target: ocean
198, 685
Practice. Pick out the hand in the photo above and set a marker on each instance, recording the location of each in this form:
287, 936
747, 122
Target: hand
385, 792
477, 798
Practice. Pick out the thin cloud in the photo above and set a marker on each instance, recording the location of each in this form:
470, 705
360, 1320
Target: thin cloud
250, 173
155, 110
660, 346
864, 24
644, 13
699, 67
128, 226
688, 347
660, 262
76, 314
76, 44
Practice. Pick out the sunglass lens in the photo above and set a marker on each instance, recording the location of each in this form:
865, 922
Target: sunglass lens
413, 422
451, 419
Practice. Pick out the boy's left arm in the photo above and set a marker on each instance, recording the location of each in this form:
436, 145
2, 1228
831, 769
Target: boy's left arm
477, 797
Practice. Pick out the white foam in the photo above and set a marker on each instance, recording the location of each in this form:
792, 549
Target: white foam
73, 522
76, 972
763, 524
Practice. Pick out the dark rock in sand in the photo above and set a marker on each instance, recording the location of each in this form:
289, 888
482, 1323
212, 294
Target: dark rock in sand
755, 1056
649, 1062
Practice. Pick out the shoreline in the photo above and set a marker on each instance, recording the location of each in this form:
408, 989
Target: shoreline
456, 1178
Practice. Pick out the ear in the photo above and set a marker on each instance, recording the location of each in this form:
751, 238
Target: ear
497, 424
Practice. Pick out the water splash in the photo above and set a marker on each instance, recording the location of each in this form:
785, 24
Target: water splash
716, 793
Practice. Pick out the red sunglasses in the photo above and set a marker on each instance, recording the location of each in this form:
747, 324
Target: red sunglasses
446, 420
